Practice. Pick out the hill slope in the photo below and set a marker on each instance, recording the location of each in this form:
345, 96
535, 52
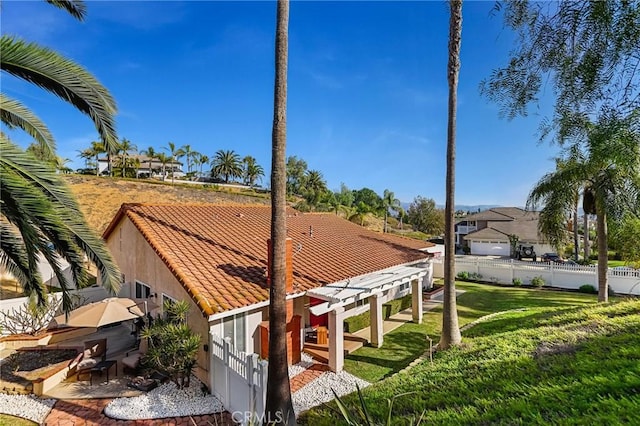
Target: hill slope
101, 197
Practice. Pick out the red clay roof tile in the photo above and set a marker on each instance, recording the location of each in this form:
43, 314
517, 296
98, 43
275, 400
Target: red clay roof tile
219, 253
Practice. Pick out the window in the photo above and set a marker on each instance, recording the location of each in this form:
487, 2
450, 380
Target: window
143, 291
166, 298
234, 328
404, 286
362, 302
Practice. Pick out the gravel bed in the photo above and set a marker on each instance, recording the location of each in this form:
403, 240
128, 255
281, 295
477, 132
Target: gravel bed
26, 406
305, 362
319, 390
165, 401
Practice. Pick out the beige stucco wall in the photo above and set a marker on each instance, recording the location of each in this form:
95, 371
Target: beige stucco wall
138, 261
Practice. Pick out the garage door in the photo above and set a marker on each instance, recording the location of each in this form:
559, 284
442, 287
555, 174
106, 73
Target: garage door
494, 248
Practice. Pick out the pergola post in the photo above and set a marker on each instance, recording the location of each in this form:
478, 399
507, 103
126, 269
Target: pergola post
375, 309
336, 339
416, 301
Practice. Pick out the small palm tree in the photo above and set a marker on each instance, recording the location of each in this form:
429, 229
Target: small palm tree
150, 153
389, 202
125, 147
227, 164
164, 160
314, 187
252, 170
173, 153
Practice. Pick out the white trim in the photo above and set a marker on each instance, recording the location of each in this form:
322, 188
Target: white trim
236, 311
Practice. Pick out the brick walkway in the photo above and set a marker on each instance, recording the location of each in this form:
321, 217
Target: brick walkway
81, 412
311, 373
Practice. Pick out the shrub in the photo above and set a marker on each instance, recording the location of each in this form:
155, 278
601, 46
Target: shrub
517, 282
474, 276
392, 307
173, 346
537, 281
357, 322
463, 275
466, 249
588, 288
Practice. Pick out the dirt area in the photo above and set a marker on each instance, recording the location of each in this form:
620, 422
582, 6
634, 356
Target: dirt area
9, 289
23, 366
101, 197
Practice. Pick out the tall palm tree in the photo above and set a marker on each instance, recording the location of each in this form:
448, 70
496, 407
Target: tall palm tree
227, 164
97, 148
314, 187
189, 154
125, 147
87, 156
173, 153
279, 406
609, 173
40, 216
202, 160
150, 153
252, 170
164, 160
450, 329
389, 202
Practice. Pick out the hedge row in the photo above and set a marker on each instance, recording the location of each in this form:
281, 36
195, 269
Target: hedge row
358, 322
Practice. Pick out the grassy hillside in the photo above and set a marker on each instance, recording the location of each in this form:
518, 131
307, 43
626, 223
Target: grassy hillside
542, 365
101, 197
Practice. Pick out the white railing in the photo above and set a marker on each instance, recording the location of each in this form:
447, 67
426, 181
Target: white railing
569, 276
465, 229
239, 380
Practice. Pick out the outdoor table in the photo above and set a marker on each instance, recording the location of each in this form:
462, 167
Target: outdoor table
101, 367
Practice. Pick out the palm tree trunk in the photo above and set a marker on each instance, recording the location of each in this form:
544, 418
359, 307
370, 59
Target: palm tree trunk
97, 166
450, 328
603, 252
384, 228
576, 240
279, 406
585, 235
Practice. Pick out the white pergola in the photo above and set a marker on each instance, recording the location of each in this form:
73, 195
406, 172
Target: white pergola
373, 286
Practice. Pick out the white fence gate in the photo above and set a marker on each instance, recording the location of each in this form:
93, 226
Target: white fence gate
239, 380
569, 276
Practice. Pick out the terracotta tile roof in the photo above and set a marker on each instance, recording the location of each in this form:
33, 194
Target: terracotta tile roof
219, 253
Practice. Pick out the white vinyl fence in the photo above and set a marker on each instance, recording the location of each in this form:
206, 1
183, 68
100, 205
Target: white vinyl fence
569, 276
239, 380
87, 295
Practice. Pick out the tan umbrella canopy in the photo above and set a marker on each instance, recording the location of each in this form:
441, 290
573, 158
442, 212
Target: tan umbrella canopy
97, 314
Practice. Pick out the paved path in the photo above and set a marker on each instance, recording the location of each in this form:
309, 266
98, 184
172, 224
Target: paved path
80, 412
307, 376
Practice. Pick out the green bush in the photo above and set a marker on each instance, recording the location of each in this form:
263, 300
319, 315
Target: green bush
466, 249
474, 276
588, 288
537, 281
358, 322
394, 306
463, 275
517, 282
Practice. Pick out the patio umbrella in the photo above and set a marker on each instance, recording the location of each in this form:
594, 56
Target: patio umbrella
97, 314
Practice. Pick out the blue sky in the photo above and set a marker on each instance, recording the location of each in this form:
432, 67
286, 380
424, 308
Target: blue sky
367, 88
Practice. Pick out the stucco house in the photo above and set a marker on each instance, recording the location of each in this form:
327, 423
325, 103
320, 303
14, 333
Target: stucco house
487, 232
174, 167
216, 258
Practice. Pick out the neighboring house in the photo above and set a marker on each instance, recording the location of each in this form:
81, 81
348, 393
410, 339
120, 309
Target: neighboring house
216, 257
144, 170
487, 232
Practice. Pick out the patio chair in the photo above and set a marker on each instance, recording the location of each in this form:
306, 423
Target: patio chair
132, 359
95, 351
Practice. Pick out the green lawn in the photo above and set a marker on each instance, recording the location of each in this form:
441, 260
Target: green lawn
7, 420
408, 342
570, 362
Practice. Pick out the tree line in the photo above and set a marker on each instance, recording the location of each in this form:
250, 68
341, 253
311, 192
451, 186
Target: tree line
124, 160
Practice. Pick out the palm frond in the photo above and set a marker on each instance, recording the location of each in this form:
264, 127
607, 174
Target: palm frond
76, 8
41, 206
64, 78
14, 114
